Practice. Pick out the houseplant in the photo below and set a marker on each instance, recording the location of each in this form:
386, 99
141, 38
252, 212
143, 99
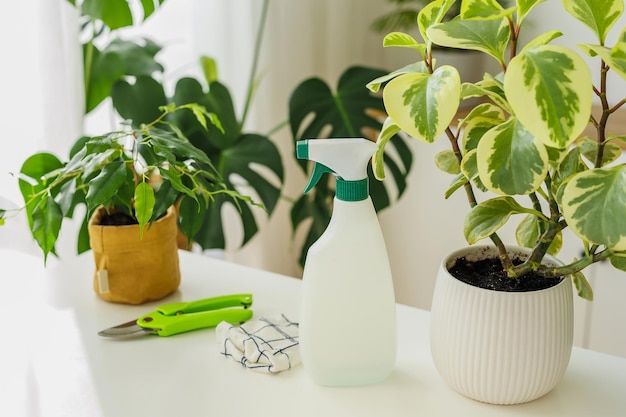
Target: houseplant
523, 144
129, 180
130, 74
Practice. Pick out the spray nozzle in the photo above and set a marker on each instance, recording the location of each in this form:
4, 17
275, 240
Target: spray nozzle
346, 158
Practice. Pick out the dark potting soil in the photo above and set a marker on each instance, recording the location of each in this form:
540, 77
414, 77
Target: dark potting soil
117, 219
488, 274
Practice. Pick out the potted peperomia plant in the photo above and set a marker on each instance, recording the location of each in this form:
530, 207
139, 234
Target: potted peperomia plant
140, 186
520, 150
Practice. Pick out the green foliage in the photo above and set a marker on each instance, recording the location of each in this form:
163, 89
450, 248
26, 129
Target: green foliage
315, 111
236, 155
138, 171
523, 140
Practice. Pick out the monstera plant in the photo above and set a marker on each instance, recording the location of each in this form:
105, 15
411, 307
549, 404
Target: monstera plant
349, 111
129, 73
524, 141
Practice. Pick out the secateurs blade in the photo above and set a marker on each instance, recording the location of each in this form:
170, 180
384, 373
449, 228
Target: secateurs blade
174, 318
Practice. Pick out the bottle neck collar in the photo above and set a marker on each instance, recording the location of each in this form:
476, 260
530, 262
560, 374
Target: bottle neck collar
352, 190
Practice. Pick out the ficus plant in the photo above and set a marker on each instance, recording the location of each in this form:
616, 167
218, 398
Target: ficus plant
523, 144
139, 172
130, 74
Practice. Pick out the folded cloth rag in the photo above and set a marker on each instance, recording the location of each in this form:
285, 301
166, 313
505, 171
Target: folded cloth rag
267, 344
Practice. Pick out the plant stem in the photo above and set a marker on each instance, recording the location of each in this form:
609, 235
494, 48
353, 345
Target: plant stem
601, 128
471, 198
255, 62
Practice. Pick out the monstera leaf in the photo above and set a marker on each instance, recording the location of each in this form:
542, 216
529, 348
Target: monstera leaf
315, 111
236, 155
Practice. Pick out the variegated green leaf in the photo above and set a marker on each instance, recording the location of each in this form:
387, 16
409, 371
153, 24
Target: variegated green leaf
489, 216
387, 132
488, 87
484, 10
403, 40
458, 182
144, 204
543, 39
469, 167
614, 57
618, 55
417, 67
583, 288
423, 105
570, 165
447, 162
489, 36
594, 204
524, 7
483, 111
529, 231
478, 123
589, 149
598, 15
432, 14
511, 160
618, 260
549, 88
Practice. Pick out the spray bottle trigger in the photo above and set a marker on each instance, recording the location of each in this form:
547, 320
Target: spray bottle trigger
318, 171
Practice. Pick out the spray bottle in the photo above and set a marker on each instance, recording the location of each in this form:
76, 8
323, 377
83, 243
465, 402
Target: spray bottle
348, 312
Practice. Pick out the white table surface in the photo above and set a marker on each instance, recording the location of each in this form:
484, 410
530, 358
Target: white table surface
53, 363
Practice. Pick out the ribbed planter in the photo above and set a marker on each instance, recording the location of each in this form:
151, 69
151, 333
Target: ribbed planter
500, 347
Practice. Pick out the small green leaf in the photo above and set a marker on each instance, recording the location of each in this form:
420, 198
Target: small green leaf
543, 39
488, 36
387, 132
423, 105
418, 67
47, 219
598, 15
615, 57
458, 182
511, 161
447, 162
144, 204
583, 288
114, 13
432, 14
489, 216
483, 10
469, 167
593, 204
529, 231
570, 165
104, 186
589, 149
618, 260
190, 217
478, 122
209, 69
403, 40
524, 7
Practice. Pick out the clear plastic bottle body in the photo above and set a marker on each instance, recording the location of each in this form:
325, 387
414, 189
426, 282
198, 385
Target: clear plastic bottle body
348, 313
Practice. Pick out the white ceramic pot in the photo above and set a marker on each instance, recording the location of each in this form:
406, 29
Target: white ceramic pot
500, 347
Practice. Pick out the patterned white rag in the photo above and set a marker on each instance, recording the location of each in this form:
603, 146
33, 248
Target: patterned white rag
267, 344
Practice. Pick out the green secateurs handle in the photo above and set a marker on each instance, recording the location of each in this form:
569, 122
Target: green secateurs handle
174, 318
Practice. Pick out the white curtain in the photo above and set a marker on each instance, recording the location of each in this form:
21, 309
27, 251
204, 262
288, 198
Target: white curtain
41, 95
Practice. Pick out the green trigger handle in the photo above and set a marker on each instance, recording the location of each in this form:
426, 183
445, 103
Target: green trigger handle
318, 171
174, 318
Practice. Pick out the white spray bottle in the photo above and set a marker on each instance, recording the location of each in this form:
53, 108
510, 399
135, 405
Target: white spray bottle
348, 313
